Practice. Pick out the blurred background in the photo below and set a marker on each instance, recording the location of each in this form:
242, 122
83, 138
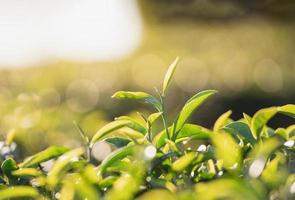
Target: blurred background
61, 60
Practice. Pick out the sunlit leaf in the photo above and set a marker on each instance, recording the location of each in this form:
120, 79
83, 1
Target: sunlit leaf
260, 119
227, 150
45, 155
26, 172
157, 194
189, 131
225, 189
288, 109
134, 124
153, 117
191, 105
57, 169
169, 75
222, 121
82, 188
108, 128
273, 175
184, 161
116, 156
18, 192
139, 96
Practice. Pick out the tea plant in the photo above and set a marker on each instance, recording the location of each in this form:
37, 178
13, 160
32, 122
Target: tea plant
243, 159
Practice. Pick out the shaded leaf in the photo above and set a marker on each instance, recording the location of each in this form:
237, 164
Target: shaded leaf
241, 129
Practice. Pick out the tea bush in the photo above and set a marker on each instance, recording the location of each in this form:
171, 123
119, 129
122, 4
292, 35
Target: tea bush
242, 159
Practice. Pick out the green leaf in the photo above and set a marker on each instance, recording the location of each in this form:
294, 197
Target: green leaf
26, 172
241, 129
116, 156
183, 162
153, 117
60, 165
139, 96
288, 109
260, 119
124, 188
108, 128
222, 121
81, 187
45, 155
191, 105
191, 131
8, 166
227, 150
157, 194
169, 75
18, 192
134, 124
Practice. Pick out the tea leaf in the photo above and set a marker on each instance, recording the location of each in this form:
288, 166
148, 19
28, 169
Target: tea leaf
18, 192
183, 162
169, 75
191, 105
139, 96
55, 173
8, 166
241, 129
153, 117
26, 172
108, 128
260, 119
288, 109
45, 155
116, 156
222, 121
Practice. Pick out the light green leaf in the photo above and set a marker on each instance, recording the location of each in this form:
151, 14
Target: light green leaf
222, 121
191, 105
191, 131
134, 124
81, 187
139, 96
45, 155
26, 172
260, 119
183, 162
108, 128
116, 156
59, 166
288, 109
157, 194
169, 75
227, 150
18, 192
153, 117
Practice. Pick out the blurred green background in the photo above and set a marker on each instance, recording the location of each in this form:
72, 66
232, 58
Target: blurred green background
244, 49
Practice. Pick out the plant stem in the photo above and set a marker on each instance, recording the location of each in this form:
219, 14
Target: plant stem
163, 116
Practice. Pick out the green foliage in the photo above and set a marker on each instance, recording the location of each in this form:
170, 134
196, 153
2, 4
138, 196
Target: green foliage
242, 159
